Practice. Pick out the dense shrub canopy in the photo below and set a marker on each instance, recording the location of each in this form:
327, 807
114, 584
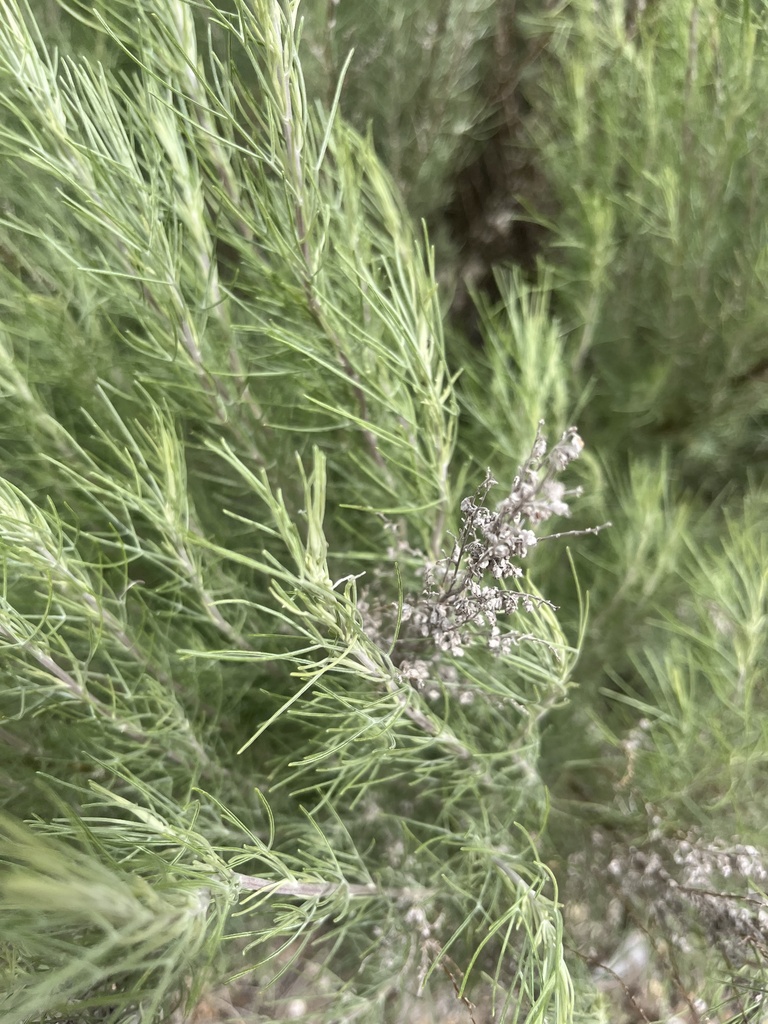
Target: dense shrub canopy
333, 337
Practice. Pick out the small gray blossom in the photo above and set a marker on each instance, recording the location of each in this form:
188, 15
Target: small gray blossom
464, 594
468, 597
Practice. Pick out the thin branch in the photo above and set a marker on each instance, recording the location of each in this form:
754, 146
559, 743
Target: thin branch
594, 530
309, 890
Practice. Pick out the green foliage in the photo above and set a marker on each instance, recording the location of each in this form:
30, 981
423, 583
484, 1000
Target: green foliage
228, 449
417, 77
515, 381
133, 929
652, 140
707, 681
645, 120
276, 703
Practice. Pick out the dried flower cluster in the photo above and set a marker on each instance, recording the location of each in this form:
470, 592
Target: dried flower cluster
661, 905
688, 886
464, 594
